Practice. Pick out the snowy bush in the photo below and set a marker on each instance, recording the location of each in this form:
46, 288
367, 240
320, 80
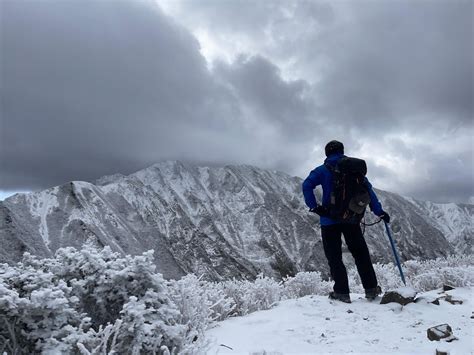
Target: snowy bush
355, 284
89, 301
428, 275
457, 271
101, 279
388, 276
37, 311
222, 305
200, 304
305, 283
148, 326
249, 296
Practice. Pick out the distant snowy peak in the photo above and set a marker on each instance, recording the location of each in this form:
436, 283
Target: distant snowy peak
229, 221
456, 221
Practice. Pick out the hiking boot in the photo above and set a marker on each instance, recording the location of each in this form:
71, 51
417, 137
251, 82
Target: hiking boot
343, 297
372, 293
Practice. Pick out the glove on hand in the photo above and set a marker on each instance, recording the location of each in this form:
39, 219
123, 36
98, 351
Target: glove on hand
320, 210
385, 217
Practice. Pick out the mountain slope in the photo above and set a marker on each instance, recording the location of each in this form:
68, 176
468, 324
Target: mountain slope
454, 220
232, 221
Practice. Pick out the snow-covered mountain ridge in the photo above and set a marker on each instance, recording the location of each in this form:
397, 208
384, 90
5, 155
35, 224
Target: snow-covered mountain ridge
232, 221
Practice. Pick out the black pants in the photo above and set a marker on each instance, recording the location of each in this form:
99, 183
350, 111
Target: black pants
357, 246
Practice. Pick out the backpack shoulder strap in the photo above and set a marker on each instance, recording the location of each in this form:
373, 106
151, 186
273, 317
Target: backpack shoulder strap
330, 167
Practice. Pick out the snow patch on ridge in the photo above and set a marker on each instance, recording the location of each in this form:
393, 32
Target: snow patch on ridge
41, 205
316, 325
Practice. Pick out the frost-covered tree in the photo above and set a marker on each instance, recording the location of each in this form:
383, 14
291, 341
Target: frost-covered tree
37, 311
89, 301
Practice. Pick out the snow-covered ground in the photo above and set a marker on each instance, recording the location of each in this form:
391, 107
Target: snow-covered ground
316, 325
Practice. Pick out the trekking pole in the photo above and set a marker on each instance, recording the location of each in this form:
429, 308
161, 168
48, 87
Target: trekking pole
392, 243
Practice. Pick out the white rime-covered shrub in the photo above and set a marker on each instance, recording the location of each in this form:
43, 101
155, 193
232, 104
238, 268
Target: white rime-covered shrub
101, 279
222, 306
355, 284
248, 297
457, 271
88, 301
200, 303
148, 326
388, 276
37, 311
304, 284
437, 277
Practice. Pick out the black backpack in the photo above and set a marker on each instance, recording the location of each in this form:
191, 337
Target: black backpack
350, 195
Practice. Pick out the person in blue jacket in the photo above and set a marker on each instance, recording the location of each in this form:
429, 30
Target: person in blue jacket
331, 229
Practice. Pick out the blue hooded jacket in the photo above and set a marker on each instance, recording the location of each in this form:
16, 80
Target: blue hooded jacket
322, 176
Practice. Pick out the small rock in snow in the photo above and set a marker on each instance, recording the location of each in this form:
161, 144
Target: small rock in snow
402, 295
451, 300
441, 352
448, 288
442, 331
350, 311
428, 299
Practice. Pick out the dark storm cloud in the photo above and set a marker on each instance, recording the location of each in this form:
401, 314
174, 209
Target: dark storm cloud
96, 87
374, 64
446, 178
85, 85
397, 60
258, 82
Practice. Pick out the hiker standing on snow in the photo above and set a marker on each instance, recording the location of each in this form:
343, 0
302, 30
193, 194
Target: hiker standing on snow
346, 193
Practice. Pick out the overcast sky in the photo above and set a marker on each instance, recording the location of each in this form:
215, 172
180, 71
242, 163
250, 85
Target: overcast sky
94, 87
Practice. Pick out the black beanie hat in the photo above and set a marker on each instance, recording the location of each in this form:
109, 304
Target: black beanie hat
334, 147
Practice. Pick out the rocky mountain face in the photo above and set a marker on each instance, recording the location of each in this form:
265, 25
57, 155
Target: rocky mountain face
223, 222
